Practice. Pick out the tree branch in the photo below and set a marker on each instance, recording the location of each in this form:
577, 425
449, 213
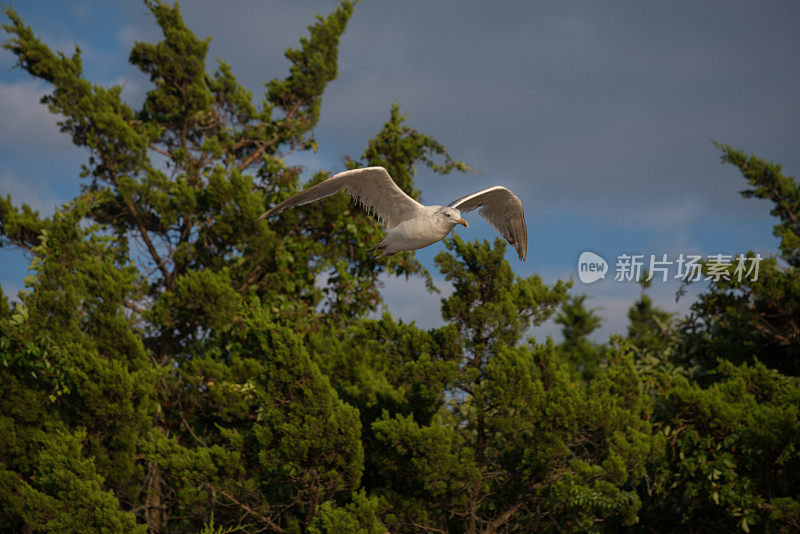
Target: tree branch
262, 147
251, 278
142, 230
269, 522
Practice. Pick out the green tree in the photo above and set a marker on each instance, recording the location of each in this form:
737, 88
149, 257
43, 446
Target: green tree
76, 385
731, 461
173, 366
577, 322
283, 445
649, 326
174, 254
518, 443
755, 314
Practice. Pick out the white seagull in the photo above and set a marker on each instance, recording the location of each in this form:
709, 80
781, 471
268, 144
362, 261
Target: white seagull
411, 225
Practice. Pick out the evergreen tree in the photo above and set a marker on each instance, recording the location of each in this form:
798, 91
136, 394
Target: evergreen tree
174, 189
577, 322
649, 325
749, 315
731, 461
173, 366
76, 386
519, 444
282, 444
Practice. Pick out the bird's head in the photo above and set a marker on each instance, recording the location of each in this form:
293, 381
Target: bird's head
453, 216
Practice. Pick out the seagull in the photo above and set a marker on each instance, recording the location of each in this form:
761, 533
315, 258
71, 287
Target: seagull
409, 224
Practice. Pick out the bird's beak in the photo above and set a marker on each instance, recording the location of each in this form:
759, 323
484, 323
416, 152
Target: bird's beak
462, 221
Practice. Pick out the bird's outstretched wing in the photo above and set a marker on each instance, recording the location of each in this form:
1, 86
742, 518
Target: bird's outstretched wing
372, 187
504, 212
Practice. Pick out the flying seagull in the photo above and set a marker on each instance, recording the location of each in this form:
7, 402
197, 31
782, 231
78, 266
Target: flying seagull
411, 225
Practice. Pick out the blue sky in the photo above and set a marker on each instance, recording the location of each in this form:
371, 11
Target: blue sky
598, 115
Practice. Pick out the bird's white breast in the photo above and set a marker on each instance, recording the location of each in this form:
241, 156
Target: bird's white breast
423, 230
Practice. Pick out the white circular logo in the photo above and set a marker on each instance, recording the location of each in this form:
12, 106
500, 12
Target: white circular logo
591, 267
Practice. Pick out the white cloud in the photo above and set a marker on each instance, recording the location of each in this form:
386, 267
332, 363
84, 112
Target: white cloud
148, 32
611, 300
36, 195
311, 162
11, 290
27, 125
134, 87
409, 300
614, 299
